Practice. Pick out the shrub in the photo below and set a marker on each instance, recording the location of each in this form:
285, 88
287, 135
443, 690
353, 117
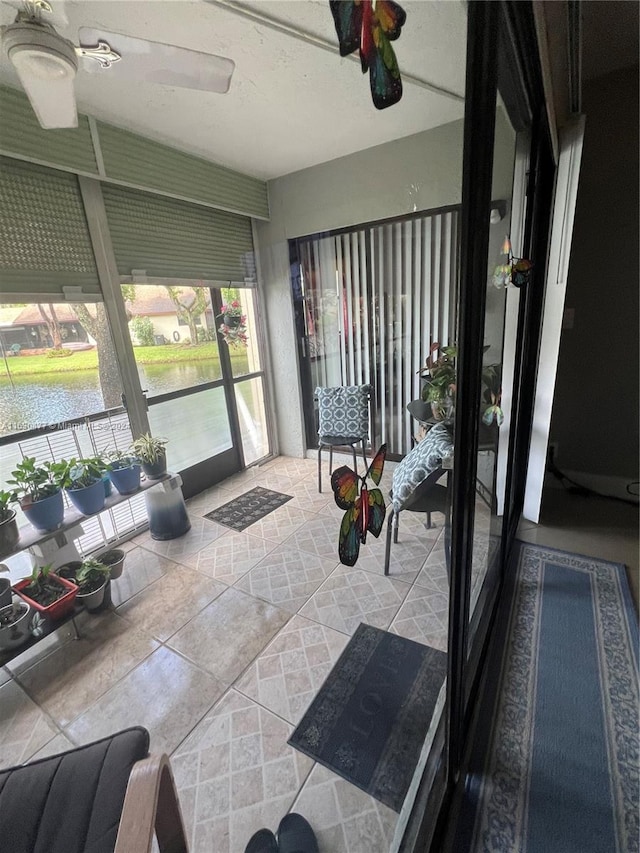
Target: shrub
142, 330
59, 353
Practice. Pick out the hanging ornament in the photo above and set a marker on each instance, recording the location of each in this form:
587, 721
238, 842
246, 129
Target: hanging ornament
515, 271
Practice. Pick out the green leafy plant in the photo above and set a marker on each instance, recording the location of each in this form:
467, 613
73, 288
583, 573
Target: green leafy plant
148, 449
91, 575
59, 353
119, 458
79, 473
5, 511
33, 482
439, 375
142, 329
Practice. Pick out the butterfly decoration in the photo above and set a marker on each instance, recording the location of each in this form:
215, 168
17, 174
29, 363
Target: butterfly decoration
370, 27
365, 508
516, 271
494, 411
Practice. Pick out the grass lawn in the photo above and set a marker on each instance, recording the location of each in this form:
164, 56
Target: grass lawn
88, 359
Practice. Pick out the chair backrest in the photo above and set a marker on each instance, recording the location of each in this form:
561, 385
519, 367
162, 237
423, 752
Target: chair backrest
344, 411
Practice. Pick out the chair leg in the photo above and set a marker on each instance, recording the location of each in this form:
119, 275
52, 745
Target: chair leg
364, 455
387, 552
429, 525
320, 469
330, 461
353, 452
396, 525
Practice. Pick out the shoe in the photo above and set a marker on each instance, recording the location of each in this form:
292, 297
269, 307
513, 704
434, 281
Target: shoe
263, 841
296, 836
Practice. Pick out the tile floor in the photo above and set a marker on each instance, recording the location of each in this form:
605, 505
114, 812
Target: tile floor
217, 643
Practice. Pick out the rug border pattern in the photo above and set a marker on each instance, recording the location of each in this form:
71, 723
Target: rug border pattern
501, 814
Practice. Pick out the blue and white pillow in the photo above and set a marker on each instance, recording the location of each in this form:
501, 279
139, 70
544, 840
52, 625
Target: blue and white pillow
425, 458
344, 411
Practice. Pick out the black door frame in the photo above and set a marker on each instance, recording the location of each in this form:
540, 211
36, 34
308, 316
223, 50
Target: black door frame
507, 27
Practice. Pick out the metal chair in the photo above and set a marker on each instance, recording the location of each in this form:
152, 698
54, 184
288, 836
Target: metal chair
343, 421
429, 497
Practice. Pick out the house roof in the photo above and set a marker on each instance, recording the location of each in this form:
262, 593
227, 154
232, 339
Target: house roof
29, 315
152, 299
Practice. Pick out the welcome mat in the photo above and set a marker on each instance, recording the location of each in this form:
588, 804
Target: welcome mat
370, 718
248, 508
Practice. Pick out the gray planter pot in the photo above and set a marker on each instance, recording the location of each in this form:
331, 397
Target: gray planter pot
115, 560
18, 632
9, 534
92, 600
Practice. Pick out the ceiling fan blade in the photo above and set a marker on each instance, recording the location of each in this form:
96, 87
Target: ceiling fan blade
48, 11
155, 62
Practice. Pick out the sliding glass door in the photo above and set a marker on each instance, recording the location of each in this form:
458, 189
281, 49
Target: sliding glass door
201, 372
370, 304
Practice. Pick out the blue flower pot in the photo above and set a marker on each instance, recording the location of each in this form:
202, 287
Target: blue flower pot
88, 500
46, 514
107, 485
126, 480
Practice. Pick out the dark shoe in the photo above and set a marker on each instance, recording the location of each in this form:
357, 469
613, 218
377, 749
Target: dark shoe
263, 841
296, 836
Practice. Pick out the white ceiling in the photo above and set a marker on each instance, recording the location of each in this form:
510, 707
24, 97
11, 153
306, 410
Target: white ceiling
291, 103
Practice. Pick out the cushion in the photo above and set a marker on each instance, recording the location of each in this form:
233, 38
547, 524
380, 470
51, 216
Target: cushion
344, 411
425, 458
72, 802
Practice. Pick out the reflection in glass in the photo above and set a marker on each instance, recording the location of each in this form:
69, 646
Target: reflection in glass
245, 356
497, 366
196, 425
253, 419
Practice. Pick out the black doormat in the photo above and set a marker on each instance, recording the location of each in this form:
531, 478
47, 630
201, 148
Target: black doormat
248, 508
371, 715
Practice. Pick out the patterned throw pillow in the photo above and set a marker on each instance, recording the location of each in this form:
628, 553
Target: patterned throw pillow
344, 411
422, 460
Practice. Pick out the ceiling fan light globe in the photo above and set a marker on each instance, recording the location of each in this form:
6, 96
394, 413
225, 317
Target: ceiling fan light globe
46, 65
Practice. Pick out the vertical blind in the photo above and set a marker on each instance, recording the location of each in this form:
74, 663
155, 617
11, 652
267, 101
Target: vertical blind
374, 301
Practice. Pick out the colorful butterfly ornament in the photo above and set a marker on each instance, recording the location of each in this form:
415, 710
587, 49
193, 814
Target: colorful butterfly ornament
370, 27
515, 271
365, 508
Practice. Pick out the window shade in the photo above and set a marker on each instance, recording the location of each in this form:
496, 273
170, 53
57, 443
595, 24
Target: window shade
168, 238
44, 239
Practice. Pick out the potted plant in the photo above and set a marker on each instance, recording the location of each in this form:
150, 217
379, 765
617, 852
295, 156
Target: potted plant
38, 493
124, 471
15, 622
152, 455
82, 481
439, 389
91, 578
46, 592
234, 324
439, 375
114, 559
9, 533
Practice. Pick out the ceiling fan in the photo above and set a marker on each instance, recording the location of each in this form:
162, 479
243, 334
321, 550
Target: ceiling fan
47, 63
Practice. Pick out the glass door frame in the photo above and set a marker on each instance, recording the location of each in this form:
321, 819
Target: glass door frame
206, 473
509, 27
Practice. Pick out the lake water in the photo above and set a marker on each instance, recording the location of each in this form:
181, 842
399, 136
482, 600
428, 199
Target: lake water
37, 401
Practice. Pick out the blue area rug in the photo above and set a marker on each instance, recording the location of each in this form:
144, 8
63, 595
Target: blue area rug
371, 715
560, 772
